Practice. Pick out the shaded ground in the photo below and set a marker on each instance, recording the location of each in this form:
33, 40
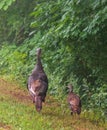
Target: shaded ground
52, 109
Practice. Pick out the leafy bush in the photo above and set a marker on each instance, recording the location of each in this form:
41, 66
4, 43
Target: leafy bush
73, 40
13, 63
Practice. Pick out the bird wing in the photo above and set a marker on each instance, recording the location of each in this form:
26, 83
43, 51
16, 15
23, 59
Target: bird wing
38, 87
74, 100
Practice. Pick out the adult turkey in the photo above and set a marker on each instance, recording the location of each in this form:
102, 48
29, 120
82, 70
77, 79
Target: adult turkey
38, 83
74, 101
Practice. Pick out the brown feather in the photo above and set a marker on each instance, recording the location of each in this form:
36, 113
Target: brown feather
38, 83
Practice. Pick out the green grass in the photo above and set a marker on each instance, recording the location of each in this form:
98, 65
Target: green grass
22, 117
16, 113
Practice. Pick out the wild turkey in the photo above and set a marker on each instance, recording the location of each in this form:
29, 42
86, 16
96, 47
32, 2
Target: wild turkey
74, 101
38, 83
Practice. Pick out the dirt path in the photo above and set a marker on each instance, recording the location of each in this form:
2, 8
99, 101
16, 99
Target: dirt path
13, 91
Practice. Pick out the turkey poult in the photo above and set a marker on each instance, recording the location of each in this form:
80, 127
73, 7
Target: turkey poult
74, 101
38, 83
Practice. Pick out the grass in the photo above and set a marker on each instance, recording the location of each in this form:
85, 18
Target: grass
17, 112
21, 117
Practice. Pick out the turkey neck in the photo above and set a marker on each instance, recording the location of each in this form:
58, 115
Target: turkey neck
39, 64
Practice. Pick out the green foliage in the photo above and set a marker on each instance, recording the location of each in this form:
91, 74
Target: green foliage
75, 37
13, 62
4, 4
15, 21
72, 35
77, 33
